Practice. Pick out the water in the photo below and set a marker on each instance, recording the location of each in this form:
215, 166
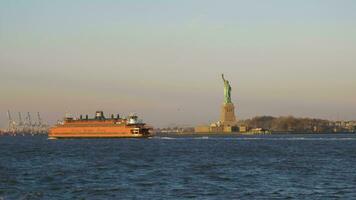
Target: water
203, 167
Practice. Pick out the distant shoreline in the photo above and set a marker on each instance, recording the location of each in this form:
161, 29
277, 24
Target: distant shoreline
249, 134
215, 134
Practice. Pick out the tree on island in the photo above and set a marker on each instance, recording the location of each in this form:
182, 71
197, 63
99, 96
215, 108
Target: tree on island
290, 124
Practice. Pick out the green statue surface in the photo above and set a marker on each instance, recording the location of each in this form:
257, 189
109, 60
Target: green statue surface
227, 90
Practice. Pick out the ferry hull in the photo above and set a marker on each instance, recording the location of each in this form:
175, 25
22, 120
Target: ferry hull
98, 131
95, 135
100, 127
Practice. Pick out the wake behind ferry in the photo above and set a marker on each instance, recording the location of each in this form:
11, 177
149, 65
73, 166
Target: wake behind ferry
100, 127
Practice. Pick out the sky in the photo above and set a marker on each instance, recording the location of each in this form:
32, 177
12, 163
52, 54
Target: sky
163, 59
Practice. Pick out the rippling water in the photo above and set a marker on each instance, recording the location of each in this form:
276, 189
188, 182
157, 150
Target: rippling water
203, 167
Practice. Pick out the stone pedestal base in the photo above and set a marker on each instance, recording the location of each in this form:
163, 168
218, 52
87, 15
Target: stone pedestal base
227, 117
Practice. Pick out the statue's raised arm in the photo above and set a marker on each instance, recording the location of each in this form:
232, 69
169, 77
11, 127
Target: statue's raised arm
222, 75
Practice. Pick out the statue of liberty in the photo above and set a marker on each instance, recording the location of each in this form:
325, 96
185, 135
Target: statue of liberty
227, 90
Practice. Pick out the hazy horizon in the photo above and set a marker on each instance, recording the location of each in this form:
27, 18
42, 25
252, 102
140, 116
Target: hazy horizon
163, 60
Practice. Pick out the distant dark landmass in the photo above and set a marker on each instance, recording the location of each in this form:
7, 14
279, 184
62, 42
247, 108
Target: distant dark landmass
284, 124
302, 125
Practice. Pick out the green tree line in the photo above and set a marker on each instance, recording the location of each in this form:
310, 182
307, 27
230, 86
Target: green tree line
290, 124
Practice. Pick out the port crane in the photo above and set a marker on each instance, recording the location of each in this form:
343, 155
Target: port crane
11, 124
27, 126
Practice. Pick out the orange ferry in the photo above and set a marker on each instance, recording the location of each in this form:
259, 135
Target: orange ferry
100, 127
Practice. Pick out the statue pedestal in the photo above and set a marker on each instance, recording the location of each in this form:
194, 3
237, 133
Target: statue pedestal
227, 116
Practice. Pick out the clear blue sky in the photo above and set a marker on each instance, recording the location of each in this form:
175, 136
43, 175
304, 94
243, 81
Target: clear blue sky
163, 59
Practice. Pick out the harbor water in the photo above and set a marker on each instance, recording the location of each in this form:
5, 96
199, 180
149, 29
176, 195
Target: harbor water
321, 166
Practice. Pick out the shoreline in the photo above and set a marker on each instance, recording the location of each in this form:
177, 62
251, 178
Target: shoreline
192, 134
250, 134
